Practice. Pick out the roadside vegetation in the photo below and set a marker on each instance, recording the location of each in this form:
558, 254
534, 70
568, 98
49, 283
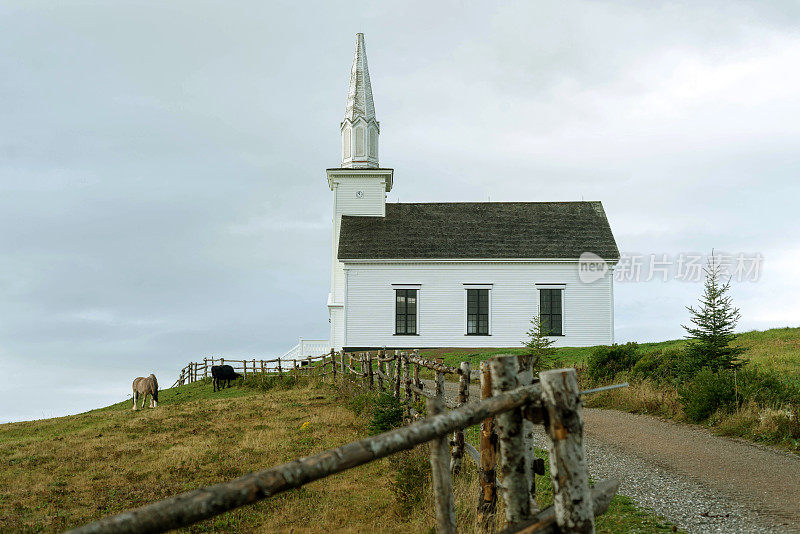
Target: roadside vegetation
66, 471
759, 402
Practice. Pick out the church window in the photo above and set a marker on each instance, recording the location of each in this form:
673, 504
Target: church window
359, 141
477, 312
550, 311
405, 311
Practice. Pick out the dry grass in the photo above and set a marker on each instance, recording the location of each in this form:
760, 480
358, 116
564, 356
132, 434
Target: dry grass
644, 397
64, 472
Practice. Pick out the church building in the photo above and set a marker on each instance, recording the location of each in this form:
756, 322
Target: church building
456, 274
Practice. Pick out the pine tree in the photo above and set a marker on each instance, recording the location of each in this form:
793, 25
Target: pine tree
713, 324
541, 351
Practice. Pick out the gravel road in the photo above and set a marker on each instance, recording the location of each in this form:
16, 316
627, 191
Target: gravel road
699, 481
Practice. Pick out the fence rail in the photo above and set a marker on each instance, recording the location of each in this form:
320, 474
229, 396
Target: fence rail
511, 402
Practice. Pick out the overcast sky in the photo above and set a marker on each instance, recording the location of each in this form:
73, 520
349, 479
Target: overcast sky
162, 184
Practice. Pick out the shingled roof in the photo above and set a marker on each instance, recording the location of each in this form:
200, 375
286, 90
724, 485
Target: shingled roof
460, 230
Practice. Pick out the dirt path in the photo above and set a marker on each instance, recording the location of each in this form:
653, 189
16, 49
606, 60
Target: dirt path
699, 481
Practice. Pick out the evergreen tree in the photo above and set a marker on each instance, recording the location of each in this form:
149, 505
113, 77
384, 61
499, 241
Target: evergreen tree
542, 354
713, 321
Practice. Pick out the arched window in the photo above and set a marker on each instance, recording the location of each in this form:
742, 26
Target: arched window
346, 142
360, 140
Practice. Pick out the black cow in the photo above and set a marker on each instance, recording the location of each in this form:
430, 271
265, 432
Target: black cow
222, 373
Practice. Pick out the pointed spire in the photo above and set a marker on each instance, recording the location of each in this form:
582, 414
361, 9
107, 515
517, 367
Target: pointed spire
359, 97
359, 128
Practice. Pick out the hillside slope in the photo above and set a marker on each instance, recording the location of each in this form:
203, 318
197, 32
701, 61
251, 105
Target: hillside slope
67, 471
776, 349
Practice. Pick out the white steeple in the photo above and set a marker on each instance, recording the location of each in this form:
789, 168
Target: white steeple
359, 128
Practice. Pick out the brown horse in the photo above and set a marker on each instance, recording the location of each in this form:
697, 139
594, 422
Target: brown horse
144, 386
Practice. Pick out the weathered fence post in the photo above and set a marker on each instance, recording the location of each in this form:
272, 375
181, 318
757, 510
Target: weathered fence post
342, 368
407, 374
525, 377
205, 367
458, 436
244, 366
381, 369
396, 370
487, 496
333, 365
440, 380
369, 371
564, 425
440, 475
515, 488
417, 381
280, 369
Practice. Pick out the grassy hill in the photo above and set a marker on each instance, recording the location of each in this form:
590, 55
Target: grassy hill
70, 470
777, 349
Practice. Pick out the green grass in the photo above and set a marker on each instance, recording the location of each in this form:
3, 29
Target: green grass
777, 349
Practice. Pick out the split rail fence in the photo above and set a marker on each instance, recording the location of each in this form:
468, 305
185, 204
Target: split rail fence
512, 402
195, 371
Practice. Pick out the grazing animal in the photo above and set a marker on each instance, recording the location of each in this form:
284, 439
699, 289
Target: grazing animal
222, 373
145, 386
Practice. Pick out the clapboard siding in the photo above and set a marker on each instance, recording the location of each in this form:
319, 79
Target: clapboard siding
337, 327
514, 301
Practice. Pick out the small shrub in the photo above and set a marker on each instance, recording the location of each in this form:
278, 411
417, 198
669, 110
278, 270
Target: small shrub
361, 402
605, 361
707, 393
768, 425
767, 389
782, 426
728, 390
665, 365
411, 479
387, 413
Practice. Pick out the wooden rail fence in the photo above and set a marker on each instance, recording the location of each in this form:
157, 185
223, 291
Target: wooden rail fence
512, 401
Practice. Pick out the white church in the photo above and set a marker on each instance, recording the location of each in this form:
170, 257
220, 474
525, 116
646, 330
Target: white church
455, 274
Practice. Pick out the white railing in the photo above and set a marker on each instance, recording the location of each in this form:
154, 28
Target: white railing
306, 348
